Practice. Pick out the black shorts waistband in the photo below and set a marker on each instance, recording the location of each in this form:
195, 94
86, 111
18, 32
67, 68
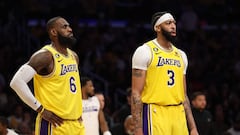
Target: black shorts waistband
79, 119
167, 105
173, 104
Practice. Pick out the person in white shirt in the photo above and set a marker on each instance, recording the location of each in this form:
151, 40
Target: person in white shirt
3, 127
93, 116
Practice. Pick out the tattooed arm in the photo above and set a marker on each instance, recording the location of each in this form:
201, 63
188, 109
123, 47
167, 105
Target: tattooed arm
189, 116
138, 81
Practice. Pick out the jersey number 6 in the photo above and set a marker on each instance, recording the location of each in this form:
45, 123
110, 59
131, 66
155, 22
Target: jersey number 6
72, 84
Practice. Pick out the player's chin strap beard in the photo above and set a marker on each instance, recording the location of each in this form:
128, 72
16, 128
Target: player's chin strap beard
169, 37
66, 41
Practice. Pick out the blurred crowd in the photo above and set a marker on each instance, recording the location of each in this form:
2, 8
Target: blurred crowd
108, 31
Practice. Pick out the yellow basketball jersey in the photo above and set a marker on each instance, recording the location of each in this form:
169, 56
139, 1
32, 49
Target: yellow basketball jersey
164, 77
60, 92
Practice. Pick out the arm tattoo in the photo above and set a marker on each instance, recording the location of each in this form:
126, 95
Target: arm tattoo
137, 73
189, 116
136, 110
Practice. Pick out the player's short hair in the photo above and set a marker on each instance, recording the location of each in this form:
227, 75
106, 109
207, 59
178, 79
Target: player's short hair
84, 80
155, 17
51, 22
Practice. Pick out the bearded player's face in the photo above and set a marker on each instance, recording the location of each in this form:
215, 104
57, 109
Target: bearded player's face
66, 40
64, 33
170, 36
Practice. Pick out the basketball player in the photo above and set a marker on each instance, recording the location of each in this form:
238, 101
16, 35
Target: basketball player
158, 83
93, 116
57, 90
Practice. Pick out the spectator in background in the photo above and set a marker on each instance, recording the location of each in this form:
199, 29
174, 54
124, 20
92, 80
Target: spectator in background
203, 117
93, 116
26, 126
120, 115
16, 118
127, 128
220, 124
188, 19
4, 130
101, 99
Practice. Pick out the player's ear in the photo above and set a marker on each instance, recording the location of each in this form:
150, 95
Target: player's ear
53, 32
157, 28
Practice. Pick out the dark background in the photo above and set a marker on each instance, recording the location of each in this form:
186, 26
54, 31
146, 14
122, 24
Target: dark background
108, 32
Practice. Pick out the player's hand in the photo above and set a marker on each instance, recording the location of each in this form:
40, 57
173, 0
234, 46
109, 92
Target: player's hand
194, 131
52, 118
138, 131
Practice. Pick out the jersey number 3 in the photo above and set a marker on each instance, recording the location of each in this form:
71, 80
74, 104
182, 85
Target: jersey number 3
171, 78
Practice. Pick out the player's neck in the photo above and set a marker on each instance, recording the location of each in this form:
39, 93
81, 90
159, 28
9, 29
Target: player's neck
84, 96
166, 45
62, 50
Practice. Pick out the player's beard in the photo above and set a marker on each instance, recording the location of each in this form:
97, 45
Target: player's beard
66, 41
169, 37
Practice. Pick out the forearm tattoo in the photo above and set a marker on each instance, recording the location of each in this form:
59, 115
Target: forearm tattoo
189, 116
136, 110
